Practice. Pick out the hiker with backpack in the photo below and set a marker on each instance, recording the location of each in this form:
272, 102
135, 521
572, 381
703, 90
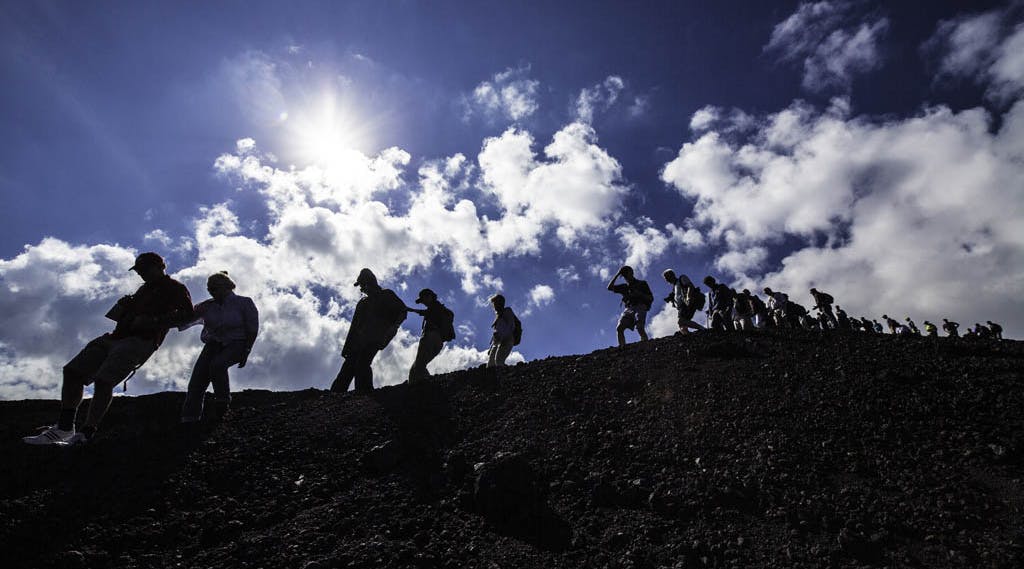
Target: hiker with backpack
143, 320
996, 329
952, 329
508, 332
758, 309
823, 302
687, 299
911, 326
637, 299
230, 326
742, 311
842, 320
777, 306
720, 304
438, 328
930, 330
377, 317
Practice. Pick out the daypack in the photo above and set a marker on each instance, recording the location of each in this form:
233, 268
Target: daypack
825, 299
645, 296
447, 324
517, 330
695, 298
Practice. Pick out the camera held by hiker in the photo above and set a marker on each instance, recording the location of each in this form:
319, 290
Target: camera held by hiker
143, 320
230, 326
377, 317
636, 300
438, 328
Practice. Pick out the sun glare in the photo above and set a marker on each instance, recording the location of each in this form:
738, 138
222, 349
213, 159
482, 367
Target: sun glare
327, 134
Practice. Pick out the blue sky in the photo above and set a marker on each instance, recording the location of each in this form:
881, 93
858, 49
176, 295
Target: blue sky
870, 149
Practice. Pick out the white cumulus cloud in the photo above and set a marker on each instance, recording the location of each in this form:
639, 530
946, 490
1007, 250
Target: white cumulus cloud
510, 94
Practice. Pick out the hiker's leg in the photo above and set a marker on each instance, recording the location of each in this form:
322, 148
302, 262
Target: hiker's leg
125, 355
227, 356
192, 409
77, 374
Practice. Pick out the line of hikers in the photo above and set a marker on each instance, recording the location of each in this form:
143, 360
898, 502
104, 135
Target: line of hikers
728, 309
231, 326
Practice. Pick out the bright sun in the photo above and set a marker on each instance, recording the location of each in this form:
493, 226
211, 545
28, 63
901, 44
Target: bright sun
328, 133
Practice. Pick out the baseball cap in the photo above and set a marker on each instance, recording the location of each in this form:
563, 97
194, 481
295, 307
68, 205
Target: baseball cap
148, 259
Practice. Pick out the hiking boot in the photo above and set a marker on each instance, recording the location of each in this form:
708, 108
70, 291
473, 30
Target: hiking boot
50, 436
75, 439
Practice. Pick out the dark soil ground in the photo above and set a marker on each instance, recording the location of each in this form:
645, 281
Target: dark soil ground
757, 450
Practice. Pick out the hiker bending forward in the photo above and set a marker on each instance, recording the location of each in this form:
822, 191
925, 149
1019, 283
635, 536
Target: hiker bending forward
438, 328
142, 320
375, 322
230, 326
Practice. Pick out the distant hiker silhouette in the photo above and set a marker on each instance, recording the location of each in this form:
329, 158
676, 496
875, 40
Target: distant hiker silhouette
759, 309
777, 306
952, 328
230, 326
438, 328
720, 305
842, 320
912, 327
930, 330
687, 299
996, 329
823, 302
507, 332
742, 310
142, 320
636, 299
376, 320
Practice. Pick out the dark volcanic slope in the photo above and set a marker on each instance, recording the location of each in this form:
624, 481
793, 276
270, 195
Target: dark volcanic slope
737, 451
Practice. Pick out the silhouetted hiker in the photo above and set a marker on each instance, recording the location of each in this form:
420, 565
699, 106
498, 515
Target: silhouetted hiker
997, 330
930, 330
982, 331
797, 316
438, 328
823, 302
742, 311
687, 299
877, 327
952, 328
912, 327
777, 306
720, 304
375, 322
506, 328
893, 325
758, 309
142, 320
230, 326
636, 299
842, 319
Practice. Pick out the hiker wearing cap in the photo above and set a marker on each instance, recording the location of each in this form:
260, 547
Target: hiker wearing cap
505, 326
375, 322
438, 328
142, 321
687, 299
636, 300
230, 326
823, 302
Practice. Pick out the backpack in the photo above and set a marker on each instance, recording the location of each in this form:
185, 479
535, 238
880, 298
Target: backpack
695, 298
826, 298
447, 324
645, 297
517, 330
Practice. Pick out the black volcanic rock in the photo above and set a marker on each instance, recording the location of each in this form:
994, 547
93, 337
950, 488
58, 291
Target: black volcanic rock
743, 450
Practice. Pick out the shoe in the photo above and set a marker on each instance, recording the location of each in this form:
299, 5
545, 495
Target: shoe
76, 439
51, 435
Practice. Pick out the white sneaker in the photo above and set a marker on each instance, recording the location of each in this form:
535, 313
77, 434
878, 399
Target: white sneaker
75, 439
51, 436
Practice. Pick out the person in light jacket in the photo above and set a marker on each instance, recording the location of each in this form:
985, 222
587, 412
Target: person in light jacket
230, 326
